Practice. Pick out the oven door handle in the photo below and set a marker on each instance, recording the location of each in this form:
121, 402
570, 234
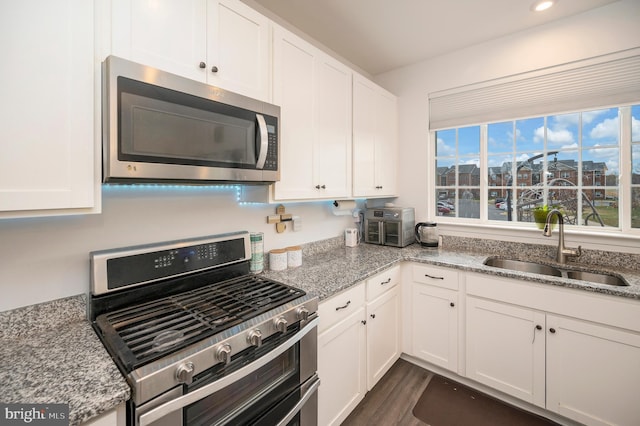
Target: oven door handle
188, 399
303, 400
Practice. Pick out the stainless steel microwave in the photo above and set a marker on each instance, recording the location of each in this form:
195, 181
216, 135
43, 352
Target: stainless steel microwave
389, 226
160, 127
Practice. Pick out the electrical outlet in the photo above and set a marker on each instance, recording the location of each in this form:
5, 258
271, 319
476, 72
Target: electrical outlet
297, 223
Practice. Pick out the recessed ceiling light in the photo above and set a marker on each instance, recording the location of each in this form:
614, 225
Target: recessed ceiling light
541, 5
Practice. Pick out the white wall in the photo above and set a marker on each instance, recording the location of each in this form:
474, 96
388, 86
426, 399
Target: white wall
608, 29
48, 258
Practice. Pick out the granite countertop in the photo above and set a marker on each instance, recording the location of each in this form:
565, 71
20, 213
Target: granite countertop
61, 360
50, 355
328, 273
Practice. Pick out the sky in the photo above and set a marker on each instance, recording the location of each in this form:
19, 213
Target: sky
594, 135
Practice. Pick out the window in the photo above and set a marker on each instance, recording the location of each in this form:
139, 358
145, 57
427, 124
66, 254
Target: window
458, 171
566, 161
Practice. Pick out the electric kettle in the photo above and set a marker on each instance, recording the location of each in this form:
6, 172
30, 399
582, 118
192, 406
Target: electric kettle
427, 234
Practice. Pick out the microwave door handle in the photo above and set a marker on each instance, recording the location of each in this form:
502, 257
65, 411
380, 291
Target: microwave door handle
381, 231
263, 136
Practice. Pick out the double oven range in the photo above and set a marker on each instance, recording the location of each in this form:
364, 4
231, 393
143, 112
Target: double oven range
200, 339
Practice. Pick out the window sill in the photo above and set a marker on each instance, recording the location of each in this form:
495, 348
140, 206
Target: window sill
600, 240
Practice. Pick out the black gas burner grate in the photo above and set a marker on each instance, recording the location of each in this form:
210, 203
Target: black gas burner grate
148, 331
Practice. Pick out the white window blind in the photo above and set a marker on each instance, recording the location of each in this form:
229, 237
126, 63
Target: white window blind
606, 81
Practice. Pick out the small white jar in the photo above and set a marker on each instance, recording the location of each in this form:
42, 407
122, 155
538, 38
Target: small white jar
294, 256
277, 259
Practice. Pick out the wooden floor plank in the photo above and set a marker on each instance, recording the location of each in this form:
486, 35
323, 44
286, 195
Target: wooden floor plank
392, 399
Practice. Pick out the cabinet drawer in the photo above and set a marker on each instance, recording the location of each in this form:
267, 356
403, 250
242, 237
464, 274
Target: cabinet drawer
433, 275
340, 306
382, 282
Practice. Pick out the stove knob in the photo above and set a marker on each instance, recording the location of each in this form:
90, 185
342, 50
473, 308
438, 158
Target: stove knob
223, 354
184, 373
303, 313
280, 324
255, 338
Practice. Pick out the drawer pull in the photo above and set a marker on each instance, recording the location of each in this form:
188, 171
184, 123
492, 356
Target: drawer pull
434, 278
344, 306
386, 282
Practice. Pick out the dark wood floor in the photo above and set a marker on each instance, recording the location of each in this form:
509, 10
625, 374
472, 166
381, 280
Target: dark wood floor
391, 400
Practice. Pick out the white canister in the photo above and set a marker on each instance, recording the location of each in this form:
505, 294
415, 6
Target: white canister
294, 256
277, 259
256, 265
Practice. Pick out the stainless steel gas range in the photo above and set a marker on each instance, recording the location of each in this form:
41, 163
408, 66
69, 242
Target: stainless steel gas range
202, 341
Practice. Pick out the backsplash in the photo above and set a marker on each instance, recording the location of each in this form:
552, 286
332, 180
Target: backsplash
522, 251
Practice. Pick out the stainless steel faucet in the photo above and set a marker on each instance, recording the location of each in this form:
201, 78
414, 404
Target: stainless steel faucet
563, 252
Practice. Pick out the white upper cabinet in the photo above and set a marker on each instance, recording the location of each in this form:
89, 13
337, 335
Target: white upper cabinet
332, 147
47, 135
220, 42
166, 34
239, 49
314, 93
375, 140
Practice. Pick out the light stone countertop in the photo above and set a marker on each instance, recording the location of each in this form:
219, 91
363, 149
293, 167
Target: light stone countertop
328, 273
61, 360
49, 354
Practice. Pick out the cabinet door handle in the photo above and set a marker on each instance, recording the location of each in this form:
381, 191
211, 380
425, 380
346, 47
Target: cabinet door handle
538, 327
202, 65
434, 278
344, 306
214, 69
364, 322
452, 304
321, 186
386, 282
552, 330
373, 316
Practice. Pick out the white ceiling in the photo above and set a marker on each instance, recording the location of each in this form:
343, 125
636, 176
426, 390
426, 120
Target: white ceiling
380, 35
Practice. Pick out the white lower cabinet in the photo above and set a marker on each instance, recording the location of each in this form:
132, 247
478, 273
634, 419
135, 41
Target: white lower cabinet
505, 348
383, 324
570, 352
341, 355
543, 345
434, 318
593, 372
358, 341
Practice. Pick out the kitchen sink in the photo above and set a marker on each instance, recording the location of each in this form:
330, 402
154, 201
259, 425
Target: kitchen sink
597, 278
539, 268
522, 266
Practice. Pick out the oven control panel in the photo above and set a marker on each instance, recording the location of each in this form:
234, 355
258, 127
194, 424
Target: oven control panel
145, 267
115, 269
